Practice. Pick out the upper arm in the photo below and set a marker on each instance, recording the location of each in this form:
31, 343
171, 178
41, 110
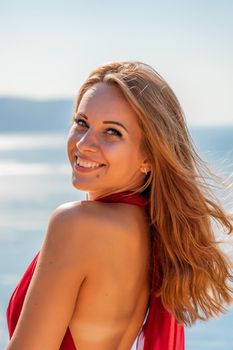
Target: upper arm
61, 269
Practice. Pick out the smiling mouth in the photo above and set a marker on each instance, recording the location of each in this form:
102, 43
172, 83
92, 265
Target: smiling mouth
87, 165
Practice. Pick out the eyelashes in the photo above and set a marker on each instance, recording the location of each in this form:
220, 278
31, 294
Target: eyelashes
82, 124
77, 120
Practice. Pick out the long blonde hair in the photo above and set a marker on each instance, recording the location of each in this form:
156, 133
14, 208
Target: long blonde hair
194, 273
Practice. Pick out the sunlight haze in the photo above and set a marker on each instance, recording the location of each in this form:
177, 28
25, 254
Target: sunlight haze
49, 48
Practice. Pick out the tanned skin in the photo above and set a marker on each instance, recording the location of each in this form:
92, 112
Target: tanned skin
93, 271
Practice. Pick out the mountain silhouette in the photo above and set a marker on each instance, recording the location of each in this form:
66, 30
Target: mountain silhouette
25, 114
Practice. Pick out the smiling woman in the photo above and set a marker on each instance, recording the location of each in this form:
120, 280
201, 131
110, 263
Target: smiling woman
101, 151
130, 262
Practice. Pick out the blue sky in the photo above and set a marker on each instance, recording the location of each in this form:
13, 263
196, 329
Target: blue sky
49, 47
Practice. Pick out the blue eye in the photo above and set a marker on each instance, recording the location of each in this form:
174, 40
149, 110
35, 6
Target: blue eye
82, 123
77, 120
115, 132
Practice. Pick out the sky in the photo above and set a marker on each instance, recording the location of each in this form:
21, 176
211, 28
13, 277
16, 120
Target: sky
49, 47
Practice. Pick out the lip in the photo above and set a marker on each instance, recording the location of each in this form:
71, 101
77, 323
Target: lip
88, 160
81, 169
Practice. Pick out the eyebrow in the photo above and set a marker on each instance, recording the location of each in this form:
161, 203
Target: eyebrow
105, 121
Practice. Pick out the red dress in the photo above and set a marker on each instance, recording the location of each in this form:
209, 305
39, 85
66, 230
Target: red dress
159, 332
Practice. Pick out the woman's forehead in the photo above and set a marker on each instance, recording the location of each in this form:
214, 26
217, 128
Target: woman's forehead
106, 102
103, 90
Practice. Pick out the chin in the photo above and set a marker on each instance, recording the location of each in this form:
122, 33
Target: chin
80, 186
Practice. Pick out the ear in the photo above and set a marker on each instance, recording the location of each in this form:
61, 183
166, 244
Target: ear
145, 167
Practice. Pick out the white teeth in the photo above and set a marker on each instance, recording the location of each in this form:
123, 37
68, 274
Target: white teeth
86, 164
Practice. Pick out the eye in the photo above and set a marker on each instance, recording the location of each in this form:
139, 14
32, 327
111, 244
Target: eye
79, 122
115, 132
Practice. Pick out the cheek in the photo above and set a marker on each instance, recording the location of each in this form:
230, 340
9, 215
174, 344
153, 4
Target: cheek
113, 151
122, 155
73, 136
71, 141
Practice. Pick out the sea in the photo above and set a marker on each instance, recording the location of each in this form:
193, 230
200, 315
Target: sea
35, 178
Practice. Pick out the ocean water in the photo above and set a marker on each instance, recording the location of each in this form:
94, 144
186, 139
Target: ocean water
35, 178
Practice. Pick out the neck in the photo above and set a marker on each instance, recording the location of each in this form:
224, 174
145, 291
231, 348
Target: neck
96, 196
124, 197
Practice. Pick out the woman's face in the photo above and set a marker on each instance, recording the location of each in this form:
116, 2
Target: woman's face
104, 143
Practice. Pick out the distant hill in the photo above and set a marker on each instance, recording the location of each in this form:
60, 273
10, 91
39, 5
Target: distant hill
31, 115
21, 114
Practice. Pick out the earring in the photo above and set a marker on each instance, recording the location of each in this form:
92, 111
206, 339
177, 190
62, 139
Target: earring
145, 171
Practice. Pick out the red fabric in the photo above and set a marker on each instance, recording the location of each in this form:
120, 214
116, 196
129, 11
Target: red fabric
159, 332
17, 298
16, 304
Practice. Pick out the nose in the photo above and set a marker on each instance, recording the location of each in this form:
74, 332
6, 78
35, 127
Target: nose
87, 143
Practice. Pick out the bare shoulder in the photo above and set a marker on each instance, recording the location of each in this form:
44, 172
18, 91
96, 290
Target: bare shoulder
87, 223
87, 235
88, 213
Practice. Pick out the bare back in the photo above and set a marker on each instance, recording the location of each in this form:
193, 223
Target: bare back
112, 301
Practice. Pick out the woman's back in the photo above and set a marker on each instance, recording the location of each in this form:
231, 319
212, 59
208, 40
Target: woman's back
92, 280
112, 301
84, 258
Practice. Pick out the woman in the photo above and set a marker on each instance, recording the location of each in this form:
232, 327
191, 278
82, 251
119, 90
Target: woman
141, 246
